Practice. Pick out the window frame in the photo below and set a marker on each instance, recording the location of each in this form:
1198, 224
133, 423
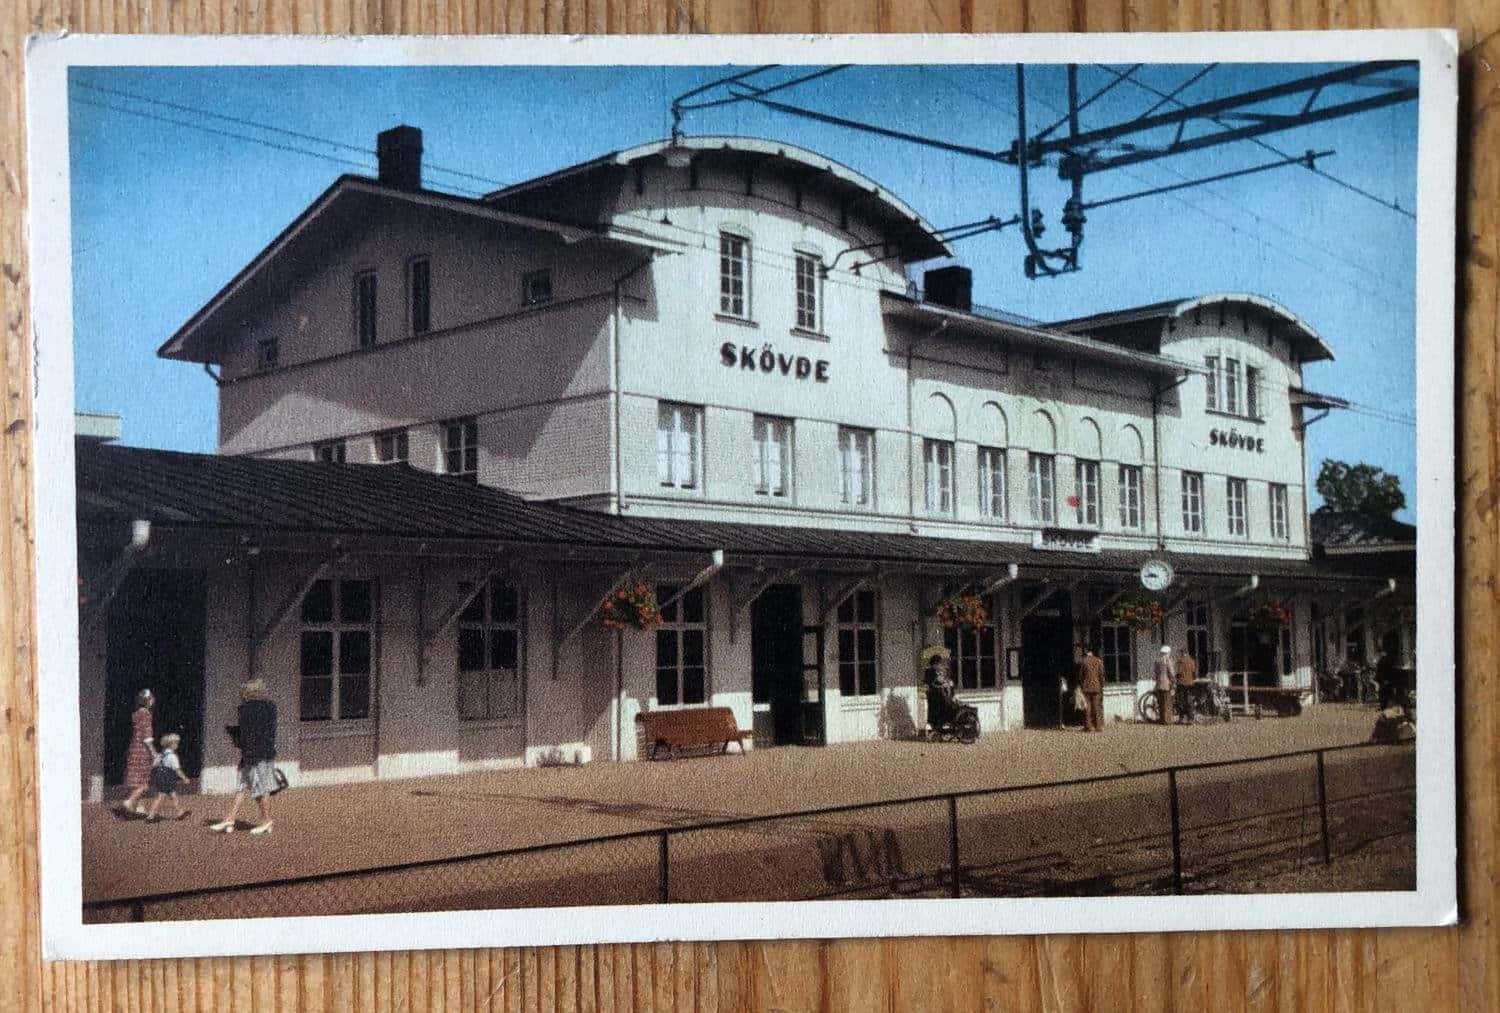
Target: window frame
1279, 500
970, 651
857, 445
418, 324
849, 620
734, 252
487, 626
337, 627
1086, 488
1041, 487
331, 452
1192, 502
937, 476
468, 448
772, 435
1231, 386
1198, 626
994, 503
1211, 397
532, 293
1118, 658
1252, 392
667, 455
1236, 507
360, 305
675, 625
808, 284
399, 439
1132, 496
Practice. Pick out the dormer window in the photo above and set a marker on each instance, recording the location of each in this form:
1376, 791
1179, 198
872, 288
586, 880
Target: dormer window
536, 288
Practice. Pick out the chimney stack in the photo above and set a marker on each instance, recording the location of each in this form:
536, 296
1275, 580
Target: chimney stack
399, 152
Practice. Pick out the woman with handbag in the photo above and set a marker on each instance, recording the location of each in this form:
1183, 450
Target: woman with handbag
255, 735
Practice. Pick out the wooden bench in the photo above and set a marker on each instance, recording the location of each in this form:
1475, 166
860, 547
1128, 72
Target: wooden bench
690, 728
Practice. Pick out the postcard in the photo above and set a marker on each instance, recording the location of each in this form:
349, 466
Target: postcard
500, 491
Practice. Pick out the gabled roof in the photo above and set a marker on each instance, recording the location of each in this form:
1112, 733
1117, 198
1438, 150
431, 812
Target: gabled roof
1309, 345
207, 496
348, 203
907, 229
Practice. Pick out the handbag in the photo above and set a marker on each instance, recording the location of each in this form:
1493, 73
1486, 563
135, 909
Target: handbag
281, 782
1079, 703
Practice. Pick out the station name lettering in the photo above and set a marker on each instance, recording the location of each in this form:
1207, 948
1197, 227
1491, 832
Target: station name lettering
1234, 441
766, 359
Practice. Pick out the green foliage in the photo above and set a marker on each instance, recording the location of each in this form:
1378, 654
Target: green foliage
1359, 487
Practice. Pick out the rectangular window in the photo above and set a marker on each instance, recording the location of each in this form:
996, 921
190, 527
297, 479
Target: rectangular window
992, 483
1192, 502
1130, 496
938, 455
1252, 392
419, 294
364, 308
975, 660
461, 448
489, 653
809, 301
771, 457
336, 650
1086, 487
1232, 386
536, 288
1115, 650
679, 439
857, 466
391, 447
858, 639
1287, 662
1196, 613
1280, 529
1041, 488
734, 275
681, 648
1234, 494
1211, 363
332, 452
267, 353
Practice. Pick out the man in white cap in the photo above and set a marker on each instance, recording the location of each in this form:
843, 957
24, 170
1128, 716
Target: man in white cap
1164, 674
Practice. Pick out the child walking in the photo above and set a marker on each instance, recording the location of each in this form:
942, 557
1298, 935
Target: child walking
166, 775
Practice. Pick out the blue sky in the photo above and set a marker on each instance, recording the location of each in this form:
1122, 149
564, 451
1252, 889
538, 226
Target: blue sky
175, 188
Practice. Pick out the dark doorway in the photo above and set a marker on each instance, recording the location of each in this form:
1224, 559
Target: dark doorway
776, 659
1046, 659
155, 640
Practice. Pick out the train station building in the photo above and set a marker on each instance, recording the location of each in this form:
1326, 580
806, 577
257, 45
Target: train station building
450, 429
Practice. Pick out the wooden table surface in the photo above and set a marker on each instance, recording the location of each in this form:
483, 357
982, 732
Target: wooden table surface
1431, 970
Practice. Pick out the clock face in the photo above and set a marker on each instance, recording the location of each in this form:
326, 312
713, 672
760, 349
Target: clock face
1155, 574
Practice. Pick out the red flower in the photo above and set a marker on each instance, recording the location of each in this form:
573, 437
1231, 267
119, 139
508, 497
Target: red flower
1072, 501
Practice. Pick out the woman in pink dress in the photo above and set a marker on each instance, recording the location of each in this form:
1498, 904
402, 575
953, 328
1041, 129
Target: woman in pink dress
141, 752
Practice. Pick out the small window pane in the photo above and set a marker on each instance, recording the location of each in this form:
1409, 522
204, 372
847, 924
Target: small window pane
354, 697
355, 601
317, 604
354, 652
846, 610
317, 653
470, 649
692, 606
692, 685
664, 592
503, 649
867, 678
666, 648
692, 648
503, 603
865, 610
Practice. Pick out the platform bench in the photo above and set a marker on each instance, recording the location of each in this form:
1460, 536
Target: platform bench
690, 728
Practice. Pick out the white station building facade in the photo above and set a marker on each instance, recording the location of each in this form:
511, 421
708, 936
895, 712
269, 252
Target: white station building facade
449, 427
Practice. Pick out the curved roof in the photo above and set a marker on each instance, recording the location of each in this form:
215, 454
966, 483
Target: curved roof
916, 236
1309, 343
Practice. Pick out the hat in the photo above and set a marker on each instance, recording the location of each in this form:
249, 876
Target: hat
930, 654
1165, 649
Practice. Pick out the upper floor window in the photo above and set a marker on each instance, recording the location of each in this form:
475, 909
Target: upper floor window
857, 466
1231, 386
1086, 484
992, 483
536, 288
267, 353
809, 301
734, 275
1041, 488
1211, 364
679, 440
681, 648
391, 447
1130, 496
335, 658
332, 452
1252, 392
938, 496
364, 309
771, 460
1192, 502
461, 448
489, 652
1279, 527
1234, 496
419, 295
858, 637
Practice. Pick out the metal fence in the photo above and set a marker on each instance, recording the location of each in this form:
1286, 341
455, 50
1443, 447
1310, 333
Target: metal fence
1219, 827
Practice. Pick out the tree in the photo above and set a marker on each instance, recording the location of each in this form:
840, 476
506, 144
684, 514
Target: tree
1362, 488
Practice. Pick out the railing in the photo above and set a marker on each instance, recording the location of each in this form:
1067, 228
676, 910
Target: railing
1195, 828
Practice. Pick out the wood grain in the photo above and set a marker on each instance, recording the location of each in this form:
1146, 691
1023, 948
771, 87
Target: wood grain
1437, 970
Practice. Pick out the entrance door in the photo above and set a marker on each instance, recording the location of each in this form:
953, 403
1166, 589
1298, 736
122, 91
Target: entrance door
1046, 659
776, 659
155, 641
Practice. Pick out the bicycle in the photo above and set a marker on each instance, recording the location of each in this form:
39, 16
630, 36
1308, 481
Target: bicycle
1210, 703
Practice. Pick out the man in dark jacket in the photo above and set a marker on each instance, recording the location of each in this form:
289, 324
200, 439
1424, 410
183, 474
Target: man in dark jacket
255, 735
1091, 684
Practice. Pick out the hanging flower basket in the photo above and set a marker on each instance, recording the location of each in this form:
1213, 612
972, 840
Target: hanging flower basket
964, 612
632, 607
1269, 616
1137, 612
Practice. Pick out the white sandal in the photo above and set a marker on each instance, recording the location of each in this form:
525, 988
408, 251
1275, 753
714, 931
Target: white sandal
223, 827
262, 828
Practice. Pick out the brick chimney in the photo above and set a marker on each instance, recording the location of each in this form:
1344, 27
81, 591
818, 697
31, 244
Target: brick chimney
399, 151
